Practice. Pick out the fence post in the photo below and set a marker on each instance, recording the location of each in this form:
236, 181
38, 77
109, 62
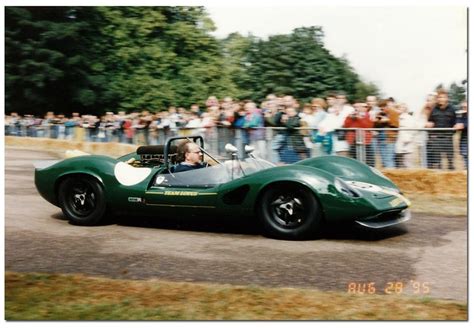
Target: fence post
360, 145
424, 154
239, 142
268, 145
214, 139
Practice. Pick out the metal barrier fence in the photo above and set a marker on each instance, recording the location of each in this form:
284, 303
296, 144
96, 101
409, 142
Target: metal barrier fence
382, 148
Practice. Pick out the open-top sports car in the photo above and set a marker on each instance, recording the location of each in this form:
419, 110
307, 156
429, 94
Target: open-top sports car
290, 201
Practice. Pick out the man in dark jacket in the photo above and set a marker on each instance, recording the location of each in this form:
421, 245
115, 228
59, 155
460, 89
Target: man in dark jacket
442, 116
294, 148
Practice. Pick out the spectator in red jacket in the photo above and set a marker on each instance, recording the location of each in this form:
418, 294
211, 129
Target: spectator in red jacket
360, 119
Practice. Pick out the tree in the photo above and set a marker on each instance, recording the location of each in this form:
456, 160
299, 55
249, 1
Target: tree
365, 89
457, 93
97, 59
45, 60
94, 59
159, 56
297, 64
235, 51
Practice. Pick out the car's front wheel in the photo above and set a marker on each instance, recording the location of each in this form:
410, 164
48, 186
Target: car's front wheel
289, 212
82, 200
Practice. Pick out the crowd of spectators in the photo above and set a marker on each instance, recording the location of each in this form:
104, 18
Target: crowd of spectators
381, 128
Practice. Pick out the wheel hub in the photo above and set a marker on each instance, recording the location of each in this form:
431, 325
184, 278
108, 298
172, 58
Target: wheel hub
285, 210
288, 206
83, 201
80, 198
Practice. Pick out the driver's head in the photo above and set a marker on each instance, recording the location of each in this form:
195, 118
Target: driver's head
191, 153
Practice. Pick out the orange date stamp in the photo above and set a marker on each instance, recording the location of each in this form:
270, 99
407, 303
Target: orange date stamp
411, 287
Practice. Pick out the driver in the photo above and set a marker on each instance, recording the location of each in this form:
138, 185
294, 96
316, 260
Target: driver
190, 155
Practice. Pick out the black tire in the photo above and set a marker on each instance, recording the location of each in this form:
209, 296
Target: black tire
82, 200
290, 212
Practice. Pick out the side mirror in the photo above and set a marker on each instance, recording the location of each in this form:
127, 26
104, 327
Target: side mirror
249, 149
231, 149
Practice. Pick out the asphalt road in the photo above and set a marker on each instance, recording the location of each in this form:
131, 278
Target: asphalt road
428, 251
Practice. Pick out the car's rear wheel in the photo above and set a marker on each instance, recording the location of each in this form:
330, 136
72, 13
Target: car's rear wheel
82, 200
289, 211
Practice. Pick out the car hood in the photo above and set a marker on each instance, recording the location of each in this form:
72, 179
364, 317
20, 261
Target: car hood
349, 169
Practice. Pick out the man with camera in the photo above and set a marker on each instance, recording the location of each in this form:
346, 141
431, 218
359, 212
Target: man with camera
387, 117
360, 119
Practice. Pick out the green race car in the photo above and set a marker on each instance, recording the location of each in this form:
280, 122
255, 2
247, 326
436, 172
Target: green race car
290, 201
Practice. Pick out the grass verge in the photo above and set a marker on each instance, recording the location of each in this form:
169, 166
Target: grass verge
32, 296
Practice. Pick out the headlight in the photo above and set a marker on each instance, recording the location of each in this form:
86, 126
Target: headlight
358, 185
345, 189
380, 174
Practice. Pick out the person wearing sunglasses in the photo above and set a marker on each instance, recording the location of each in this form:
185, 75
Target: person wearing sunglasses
191, 157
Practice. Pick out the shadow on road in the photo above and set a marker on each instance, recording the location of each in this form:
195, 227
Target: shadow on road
356, 232
59, 216
246, 226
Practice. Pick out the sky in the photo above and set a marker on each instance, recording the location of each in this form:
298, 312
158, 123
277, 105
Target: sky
406, 51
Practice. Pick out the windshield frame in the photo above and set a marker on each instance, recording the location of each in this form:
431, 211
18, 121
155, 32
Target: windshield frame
213, 175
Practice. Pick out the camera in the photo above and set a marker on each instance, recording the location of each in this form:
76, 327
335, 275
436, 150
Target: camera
380, 116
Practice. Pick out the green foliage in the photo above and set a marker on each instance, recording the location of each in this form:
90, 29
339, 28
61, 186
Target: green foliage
157, 56
95, 59
236, 51
296, 64
365, 89
44, 52
457, 93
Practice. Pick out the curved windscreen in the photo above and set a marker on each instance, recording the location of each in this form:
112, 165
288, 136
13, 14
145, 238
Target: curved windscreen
213, 175
253, 165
